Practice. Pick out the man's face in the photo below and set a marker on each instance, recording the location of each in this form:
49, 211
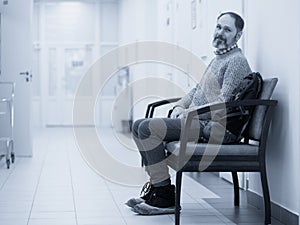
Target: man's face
225, 34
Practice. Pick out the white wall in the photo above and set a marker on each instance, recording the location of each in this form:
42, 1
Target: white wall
137, 21
171, 21
272, 47
272, 30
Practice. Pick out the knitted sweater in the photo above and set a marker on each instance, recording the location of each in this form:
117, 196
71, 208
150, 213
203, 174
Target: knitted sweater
222, 76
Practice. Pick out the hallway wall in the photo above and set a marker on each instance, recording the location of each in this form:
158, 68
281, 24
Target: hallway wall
272, 47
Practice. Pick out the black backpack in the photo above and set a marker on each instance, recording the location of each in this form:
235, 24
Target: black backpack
239, 117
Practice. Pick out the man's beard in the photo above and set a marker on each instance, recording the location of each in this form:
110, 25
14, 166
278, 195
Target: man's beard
219, 40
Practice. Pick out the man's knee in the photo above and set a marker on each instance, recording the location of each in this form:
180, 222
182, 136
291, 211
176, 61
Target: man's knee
154, 127
143, 129
135, 127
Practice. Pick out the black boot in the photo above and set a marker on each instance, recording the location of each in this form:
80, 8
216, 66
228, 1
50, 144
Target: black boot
162, 197
161, 201
146, 192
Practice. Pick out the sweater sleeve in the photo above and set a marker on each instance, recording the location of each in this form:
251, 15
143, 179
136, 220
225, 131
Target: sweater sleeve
235, 72
186, 100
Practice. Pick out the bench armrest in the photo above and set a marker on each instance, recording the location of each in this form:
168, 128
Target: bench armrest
151, 107
223, 105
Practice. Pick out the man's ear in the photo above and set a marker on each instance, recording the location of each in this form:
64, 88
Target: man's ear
238, 35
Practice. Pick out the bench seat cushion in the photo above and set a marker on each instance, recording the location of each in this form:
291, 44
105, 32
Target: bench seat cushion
234, 152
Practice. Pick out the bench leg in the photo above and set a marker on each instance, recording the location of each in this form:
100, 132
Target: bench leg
177, 197
266, 194
236, 188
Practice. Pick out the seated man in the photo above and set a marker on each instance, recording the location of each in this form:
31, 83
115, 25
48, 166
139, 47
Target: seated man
218, 84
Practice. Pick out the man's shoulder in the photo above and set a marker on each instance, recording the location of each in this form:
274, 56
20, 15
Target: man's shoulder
237, 56
237, 53
234, 59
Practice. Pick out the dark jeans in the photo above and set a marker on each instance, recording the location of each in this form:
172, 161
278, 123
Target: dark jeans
150, 136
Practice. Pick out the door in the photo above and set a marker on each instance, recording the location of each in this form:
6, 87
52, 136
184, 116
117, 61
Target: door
70, 36
66, 65
16, 55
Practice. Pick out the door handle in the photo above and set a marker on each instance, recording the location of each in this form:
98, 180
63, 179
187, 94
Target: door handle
28, 76
24, 73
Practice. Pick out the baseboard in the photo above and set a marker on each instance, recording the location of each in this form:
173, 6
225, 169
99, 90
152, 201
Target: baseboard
278, 212
69, 126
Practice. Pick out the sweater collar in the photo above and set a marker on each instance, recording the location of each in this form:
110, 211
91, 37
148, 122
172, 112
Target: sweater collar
224, 51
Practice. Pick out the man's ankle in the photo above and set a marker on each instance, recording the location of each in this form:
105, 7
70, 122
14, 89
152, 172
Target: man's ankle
163, 183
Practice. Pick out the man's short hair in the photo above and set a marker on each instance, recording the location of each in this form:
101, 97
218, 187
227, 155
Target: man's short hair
239, 22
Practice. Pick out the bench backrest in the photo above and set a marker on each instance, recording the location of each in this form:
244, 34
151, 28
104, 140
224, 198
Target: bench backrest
255, 127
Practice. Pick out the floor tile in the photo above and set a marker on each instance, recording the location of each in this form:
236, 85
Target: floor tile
57, 187
52, 221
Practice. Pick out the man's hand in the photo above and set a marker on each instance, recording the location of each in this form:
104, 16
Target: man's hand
177, 111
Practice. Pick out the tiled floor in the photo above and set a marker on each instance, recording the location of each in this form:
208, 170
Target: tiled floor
57, 187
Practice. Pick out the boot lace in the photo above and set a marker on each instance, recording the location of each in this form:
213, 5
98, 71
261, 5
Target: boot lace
146, 188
